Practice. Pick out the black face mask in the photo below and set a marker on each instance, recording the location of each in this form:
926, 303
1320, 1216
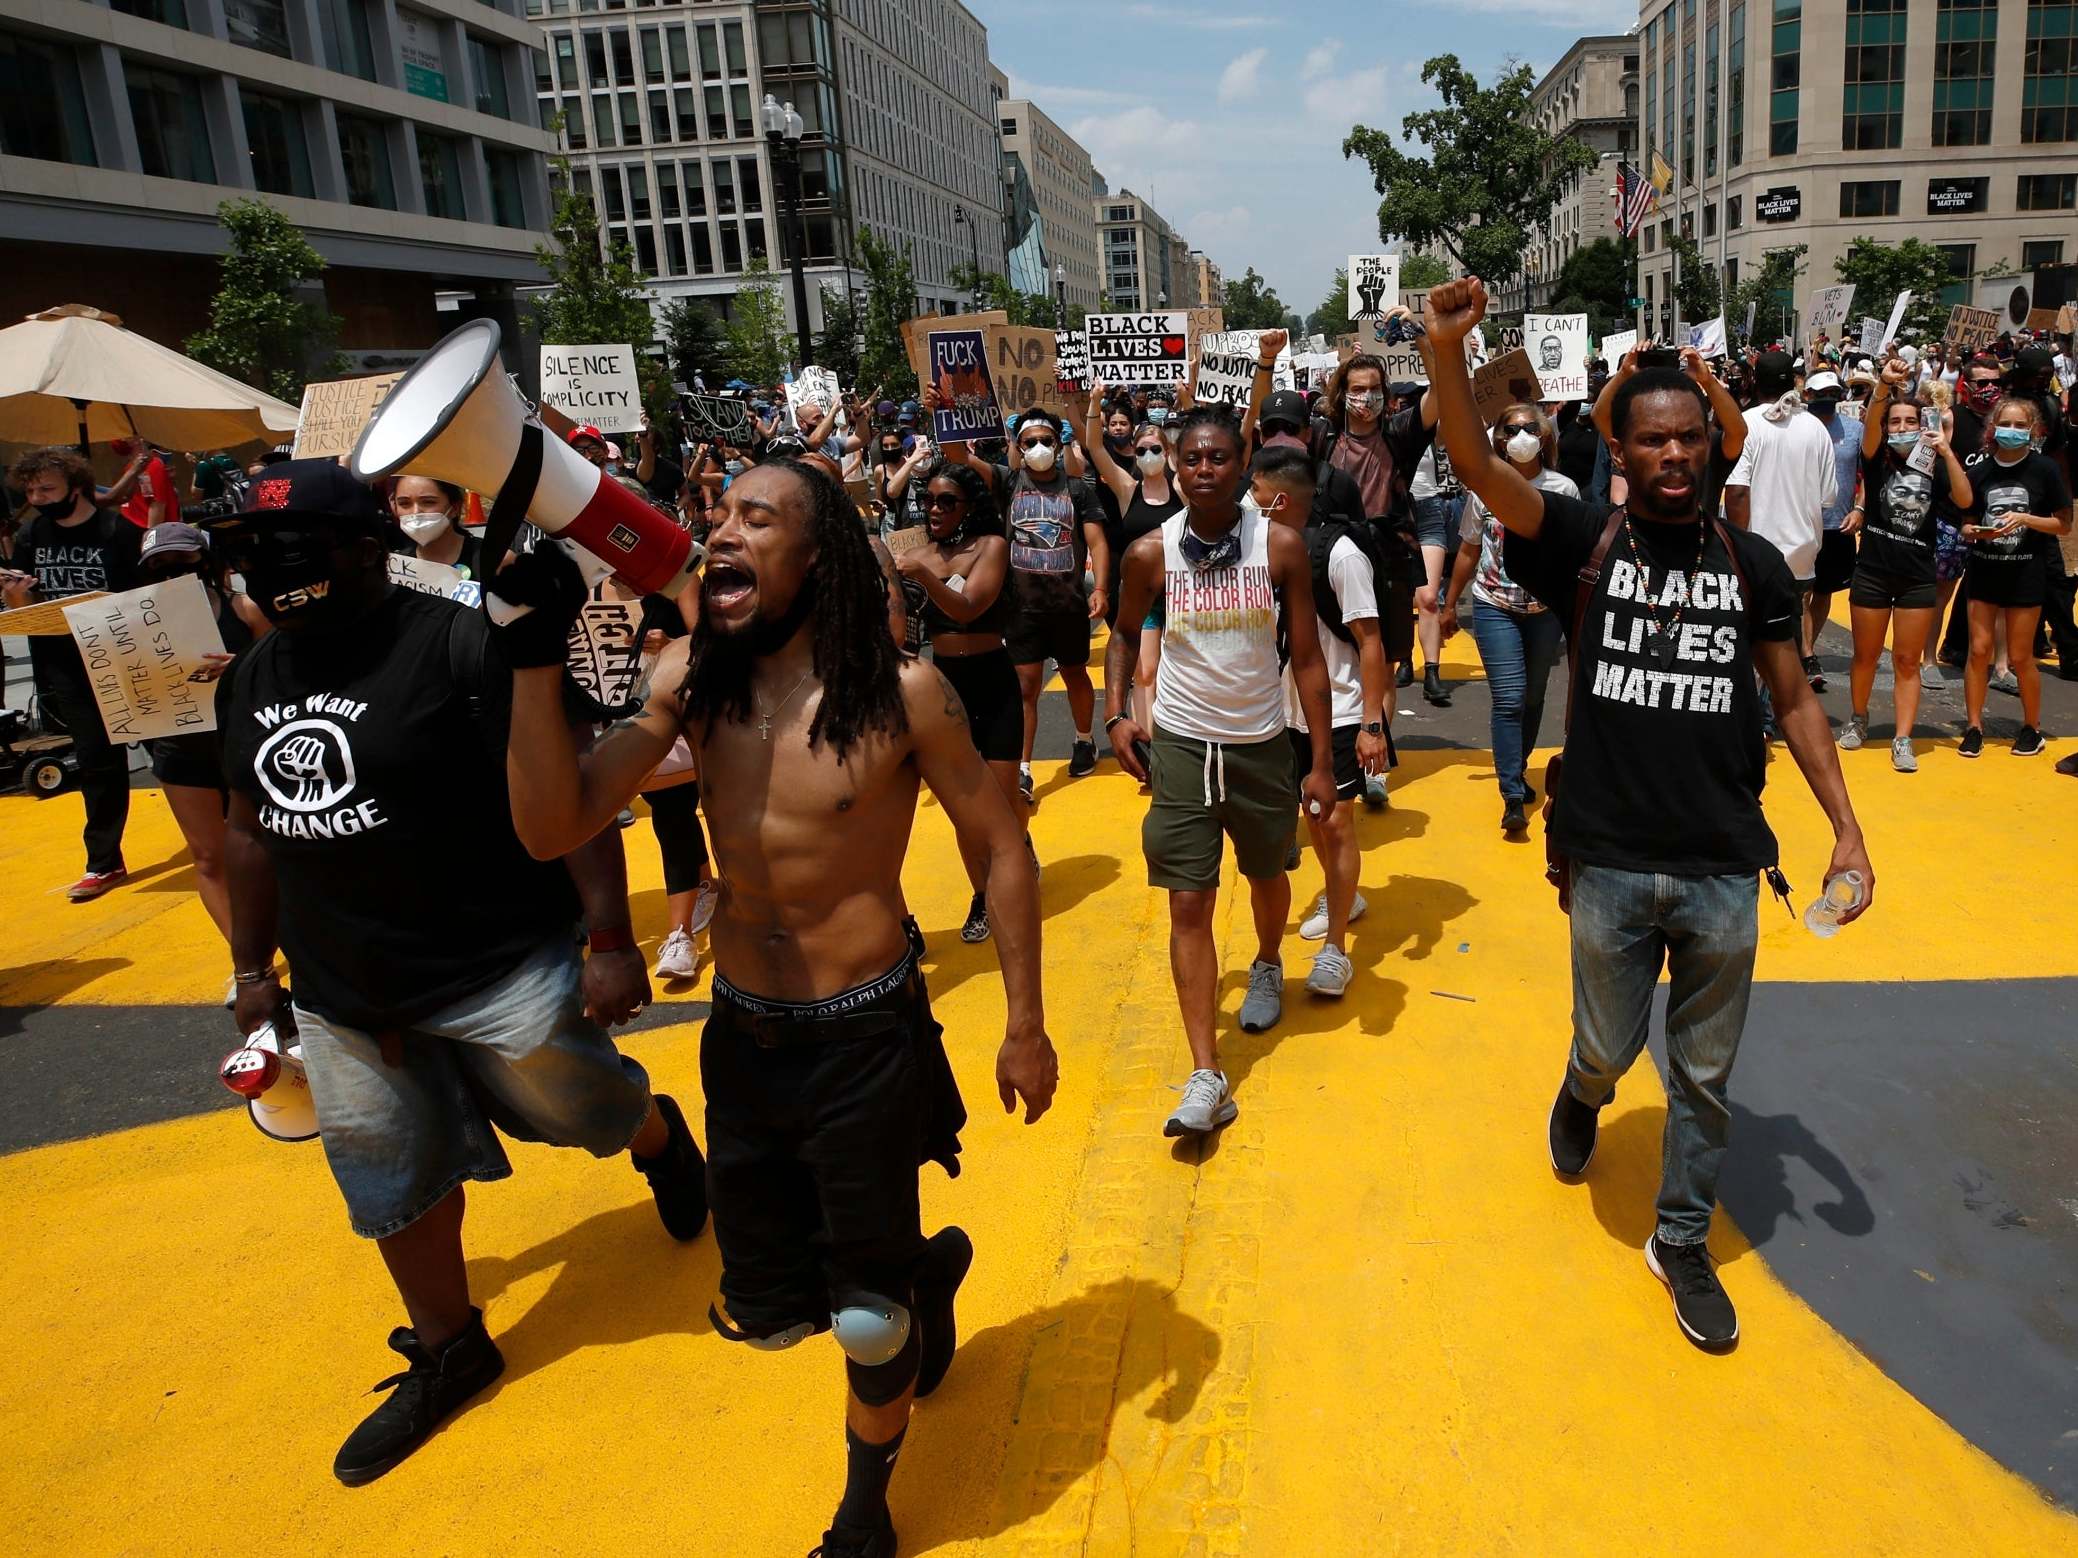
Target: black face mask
56, 511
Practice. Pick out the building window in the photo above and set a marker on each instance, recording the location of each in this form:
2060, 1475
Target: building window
364, 149
440, 175
724, 190
1873, 98
667, 191
1965, 39
1735, 89
1877, 197
748, 185
1710, 102
43, 110
2044, 251
595, 60
610, 190
172, 130
274, 138
174, 13
2046, 192
681, 63
2049, 95
1786, 78
603, 122
344, 24
508, 198
695, 189
623, 57
487, 65
258, 24
703, 250
566, 62
1734, 213
1962, 262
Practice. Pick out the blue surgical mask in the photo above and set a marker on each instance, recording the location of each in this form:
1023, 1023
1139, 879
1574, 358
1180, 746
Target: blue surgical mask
1903, 441
1157, 415
2012, 437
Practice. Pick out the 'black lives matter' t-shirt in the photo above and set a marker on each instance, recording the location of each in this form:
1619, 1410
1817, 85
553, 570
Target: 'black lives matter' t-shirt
382, 803
99, 553
1664, 768
1899, 509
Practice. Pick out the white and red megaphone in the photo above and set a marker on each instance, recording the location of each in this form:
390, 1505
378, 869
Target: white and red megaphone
272, 1083
456, 417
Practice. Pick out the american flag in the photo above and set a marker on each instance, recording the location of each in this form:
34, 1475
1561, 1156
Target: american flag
1635, 199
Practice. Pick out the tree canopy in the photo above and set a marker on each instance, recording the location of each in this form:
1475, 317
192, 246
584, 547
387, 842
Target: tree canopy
1252, 304
1880, 271
1418, 270
593, 297
756, 333
259, 331
1595, 281
890, 300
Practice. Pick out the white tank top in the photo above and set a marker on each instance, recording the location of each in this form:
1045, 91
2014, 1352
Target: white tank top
1219, 679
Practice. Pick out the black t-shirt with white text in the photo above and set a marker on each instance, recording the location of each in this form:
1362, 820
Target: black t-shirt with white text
1664, 765
99, 553
380, 787
1898, 511
2032, 485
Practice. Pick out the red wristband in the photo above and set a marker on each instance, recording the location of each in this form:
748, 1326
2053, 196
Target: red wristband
611, 938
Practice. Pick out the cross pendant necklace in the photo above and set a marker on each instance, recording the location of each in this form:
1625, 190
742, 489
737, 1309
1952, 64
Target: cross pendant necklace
765, 716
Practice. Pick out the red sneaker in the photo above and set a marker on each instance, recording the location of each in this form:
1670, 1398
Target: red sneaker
94, 884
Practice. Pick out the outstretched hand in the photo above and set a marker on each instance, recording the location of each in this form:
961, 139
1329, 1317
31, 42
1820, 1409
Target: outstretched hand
1453, 310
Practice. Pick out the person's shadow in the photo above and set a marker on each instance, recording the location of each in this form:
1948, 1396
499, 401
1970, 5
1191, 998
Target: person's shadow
53, 982
949, 962
1083, 1358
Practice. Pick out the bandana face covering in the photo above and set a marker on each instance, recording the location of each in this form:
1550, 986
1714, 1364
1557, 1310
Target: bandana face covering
1201, 555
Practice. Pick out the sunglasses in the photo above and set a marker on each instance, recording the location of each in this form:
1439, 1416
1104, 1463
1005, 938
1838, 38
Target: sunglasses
243, 548
1038, 443
1148, 449
943, 502
1512, 428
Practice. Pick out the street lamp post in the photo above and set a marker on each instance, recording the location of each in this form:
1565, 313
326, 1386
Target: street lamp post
1060, 296
783, 129
961, 219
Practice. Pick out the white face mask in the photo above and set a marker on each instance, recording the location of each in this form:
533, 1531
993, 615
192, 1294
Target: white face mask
425, 528
1040, 457
1150, 461
1524, 447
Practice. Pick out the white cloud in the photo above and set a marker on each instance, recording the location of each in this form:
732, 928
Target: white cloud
1132, 134
1173, 16
1583, 16
1210, 227
1358, 97
1320, 59
1242, 79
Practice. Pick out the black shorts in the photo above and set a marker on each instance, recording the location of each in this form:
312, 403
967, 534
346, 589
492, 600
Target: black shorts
2015, 585
1057, 633
1349, 774
1891, 592
818, 1118
987, 685
195, 762
1396, 603
1835, 571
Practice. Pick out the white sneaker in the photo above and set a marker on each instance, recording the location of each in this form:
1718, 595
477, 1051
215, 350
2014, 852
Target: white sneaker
1315, 926
1205, 1106
1332, 972
677, 958
1374, 792
703, 905
231, 993
1901, 756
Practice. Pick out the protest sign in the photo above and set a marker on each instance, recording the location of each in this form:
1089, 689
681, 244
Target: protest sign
1506, 380
604, 653
1852, 410
815, 387
1510, 339
907, 540
959, 373
1232, 354
1138, 348
723, 418
45, 619
1374, 285
1746, 330
1207, 321
1021, 362
2067, 324
1615, 345
334, 413
1557, 344
1071, 362
1708, 337
145, 653
431, 578
1897, 317
1403, 364
916, 335
1825, 310
593, 384
1971, 329
2041, 319
1872, 336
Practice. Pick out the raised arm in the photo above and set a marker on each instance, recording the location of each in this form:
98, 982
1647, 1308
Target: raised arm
1889, 384
1729, 417
1267, 346
1605, 402
1454, 311
1116, 476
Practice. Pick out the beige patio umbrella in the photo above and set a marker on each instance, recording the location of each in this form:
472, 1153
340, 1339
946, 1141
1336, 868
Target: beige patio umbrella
73, 374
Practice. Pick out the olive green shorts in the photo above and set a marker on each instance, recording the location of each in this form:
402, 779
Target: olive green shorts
1205, 789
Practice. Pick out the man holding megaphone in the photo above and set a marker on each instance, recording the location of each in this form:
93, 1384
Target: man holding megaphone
368, 823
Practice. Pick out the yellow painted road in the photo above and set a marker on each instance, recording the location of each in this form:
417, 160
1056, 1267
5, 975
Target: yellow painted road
1368, 1321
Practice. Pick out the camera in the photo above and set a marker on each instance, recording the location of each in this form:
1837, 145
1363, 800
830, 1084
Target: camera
1401, 330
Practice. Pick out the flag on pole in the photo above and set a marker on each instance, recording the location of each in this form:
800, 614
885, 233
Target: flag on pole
1635, 199
1662, 175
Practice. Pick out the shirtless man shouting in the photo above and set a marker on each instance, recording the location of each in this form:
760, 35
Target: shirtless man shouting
827, 1083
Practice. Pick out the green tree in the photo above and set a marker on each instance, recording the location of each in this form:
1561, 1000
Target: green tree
1699, 293
1595, 281
1770, 289
1419, 270
259, 330
1880, 271
1024, 308
593, 299
1332, 317
890, 301
756, 338
1489, 180
837, 348
694, 341
1251, 304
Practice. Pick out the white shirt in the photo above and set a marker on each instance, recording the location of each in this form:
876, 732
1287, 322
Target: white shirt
1789, 471
1220, 681
1356, 591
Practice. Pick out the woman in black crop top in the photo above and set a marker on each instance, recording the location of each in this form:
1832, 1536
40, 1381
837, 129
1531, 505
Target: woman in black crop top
1143, 484
963, 570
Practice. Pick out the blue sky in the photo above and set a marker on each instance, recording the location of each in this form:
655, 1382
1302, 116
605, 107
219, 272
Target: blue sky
1228, 115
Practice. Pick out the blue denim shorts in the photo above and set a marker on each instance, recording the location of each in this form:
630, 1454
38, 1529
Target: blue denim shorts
520, 1056
1433, 525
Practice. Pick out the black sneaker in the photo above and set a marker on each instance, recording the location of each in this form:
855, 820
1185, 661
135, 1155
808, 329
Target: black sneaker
2029, 743
434, 1385
1404, 677
1701, 1305
976, 928
1024, 787
1082, 759
2068, 765
1432, 688
1972, 743
677, 1176
850, 1542
1515, 819
1573, 1129
947, 1255
1813, 670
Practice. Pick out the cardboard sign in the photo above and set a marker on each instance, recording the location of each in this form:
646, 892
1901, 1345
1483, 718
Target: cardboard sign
1557, 345
1226, 367
1872, 336
1506, 380
1708, 337
431, 578
1826, 310
1897, 317
46, 618
959, 372
718, 418
2067, 324
1374, 285
1971, 329
1138, 348
1207, 321
1021, 361
1071, 363
604, 655
916, 335
1616, 345
593, 384
335, 412
145, 653
1403, 364
811, 387
907, 540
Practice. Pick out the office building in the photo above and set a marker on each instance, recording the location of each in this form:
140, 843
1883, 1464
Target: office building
660, 114
1058, 170
1143, 257
1205, 272
1589, 96
1955, 123
403, 141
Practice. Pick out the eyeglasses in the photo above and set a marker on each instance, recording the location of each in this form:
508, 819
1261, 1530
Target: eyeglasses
943, 502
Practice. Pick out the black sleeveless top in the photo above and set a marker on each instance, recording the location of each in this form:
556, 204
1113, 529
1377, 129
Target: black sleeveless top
994, 619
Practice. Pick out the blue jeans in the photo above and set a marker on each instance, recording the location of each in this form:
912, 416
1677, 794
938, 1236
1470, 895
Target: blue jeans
1518, 650
1703, 928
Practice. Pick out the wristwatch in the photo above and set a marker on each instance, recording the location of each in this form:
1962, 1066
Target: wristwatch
611, 938
1374, 728
1113, 721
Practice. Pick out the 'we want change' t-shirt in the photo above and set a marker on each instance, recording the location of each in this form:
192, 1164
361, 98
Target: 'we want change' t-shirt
1664, 765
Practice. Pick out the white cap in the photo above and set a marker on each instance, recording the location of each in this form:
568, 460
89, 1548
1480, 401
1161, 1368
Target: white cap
1908, 354
1819, 383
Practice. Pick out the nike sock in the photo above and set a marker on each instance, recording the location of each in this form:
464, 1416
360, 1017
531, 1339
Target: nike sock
867, 1470
1082, 735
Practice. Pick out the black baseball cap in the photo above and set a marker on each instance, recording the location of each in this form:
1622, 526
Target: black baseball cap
1285, 407
2032, 359
296, 493
1774, 368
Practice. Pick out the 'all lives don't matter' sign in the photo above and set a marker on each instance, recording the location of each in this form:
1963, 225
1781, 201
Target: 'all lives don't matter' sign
593, 384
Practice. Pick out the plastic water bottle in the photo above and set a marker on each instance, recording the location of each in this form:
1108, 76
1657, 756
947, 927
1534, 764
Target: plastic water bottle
1842, 896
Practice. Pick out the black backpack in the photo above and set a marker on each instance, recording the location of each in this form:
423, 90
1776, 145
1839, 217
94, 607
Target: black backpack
1319, 537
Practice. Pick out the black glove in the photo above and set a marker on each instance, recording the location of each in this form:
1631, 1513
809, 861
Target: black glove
547, 582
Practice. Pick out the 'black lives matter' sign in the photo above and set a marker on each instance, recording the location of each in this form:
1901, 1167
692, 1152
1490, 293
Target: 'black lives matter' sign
1138, 348
1785, 204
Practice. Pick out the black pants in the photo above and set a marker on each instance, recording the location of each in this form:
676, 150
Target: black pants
104, 769
2056, 616
674, 814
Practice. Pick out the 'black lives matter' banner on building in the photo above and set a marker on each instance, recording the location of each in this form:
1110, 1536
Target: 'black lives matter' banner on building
1138, 348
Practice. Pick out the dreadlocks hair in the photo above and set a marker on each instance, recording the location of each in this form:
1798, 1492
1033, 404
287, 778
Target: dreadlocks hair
1221, 417
855, 657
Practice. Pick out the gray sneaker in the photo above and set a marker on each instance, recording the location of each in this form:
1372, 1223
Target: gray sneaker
1205, 1106
1931, 678
1854, 732
1264, 1003
1315, 926
1901, 757
1331, 974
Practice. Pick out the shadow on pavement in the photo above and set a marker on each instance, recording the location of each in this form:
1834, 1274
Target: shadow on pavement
949, 962
1755, 1181
30, 987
